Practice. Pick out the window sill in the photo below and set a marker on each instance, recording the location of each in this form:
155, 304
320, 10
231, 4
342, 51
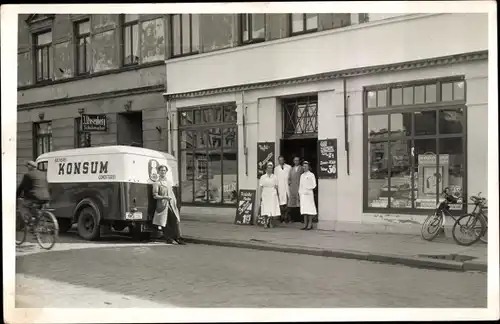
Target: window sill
252, 41
184, 55
406, 211
305, 32
91, 75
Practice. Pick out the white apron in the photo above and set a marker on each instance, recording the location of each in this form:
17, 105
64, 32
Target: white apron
160, 218
269, 201
283, 187
306, 186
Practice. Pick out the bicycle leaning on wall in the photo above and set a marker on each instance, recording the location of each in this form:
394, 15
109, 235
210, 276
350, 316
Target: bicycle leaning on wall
473, 225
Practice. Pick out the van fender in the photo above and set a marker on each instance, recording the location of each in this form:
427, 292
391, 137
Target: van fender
87, 202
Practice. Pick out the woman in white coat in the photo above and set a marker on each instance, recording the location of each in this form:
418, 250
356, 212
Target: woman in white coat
269, 202
307, 205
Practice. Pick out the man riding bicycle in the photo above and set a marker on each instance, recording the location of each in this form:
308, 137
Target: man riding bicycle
35, 190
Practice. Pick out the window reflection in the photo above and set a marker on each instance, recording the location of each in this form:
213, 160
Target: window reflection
186, 118
419, 94
230, 178
447, 92
214, 192
401, 124
214, 138
186, 178
378, 159
378, 126
430, 93
400, 191
459, 90
397, 96
425, 123
450, 121
451, 151
201, 175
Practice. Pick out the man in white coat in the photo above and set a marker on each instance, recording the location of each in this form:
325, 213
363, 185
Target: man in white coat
306, 193
282, 171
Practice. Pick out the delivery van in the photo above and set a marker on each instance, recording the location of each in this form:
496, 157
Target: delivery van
106, 188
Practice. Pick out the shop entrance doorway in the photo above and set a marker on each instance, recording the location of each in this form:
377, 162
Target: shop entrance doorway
129, 128
307, 150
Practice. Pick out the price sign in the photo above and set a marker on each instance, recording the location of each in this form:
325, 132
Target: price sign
246, 203
327, 158
265, 154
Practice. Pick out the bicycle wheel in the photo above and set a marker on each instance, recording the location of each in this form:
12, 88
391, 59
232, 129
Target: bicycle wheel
47, 228
432, 225
21, 229
468, 226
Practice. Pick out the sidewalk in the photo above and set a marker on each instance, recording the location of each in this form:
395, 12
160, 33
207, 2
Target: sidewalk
411, 250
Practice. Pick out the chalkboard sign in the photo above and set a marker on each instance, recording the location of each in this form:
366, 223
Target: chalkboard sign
265, 154
327, 158
260, 221
246, 204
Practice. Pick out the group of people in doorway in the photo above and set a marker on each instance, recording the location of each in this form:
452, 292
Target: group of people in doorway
286, 190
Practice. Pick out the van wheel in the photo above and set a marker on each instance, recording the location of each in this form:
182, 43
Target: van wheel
64, 224
88, 224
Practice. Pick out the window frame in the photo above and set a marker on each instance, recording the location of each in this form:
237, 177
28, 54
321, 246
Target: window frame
124, 26
243, 18
78, 37
413, 108
206, 149
172, 38
292, 118
50, 61
304, 25
37, 136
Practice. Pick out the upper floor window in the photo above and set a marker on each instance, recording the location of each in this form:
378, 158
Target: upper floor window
253, 28
185, 30
303, 23
43, 56
42, 138
83, 52
130, 39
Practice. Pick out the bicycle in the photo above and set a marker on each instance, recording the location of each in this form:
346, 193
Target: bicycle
44, 222
484, 215
436, 221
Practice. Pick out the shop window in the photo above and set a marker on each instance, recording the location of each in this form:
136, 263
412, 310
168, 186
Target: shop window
208, 154
300, 116
303, 23
82, 139
185, 29
253, 28
130, 39
43, 56
83, 51
415, 148
42, 138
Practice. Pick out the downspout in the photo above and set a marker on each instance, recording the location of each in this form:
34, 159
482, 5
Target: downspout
244, 122
346, 124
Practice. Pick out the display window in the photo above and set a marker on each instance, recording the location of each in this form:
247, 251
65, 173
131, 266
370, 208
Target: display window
208, 155
414, 145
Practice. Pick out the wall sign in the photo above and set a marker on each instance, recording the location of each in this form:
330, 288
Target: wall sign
94, 123
265, 154
327, 158
246, 205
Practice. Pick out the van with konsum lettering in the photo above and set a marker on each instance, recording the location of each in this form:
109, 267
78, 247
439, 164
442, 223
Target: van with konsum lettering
106, 188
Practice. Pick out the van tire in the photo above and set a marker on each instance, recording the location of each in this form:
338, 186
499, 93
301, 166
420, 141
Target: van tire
64, 224
88, 224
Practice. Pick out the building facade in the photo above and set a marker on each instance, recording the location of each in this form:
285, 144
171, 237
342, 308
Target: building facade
404, 95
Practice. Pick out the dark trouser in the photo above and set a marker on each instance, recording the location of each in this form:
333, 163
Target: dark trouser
172, 230
283, 212
294, 214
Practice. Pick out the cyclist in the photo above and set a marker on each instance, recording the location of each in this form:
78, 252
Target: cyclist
35, 190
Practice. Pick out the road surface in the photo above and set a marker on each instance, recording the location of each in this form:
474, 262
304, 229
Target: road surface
152, 275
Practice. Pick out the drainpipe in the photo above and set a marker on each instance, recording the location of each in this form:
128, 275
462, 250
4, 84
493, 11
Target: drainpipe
346, 124
244, 122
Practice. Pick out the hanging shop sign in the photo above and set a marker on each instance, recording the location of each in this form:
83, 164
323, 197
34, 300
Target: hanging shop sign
246, 205
94, 123
265, 154
327, 158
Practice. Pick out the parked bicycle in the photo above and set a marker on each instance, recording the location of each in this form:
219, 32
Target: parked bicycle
42, 225
484, 214
472, 224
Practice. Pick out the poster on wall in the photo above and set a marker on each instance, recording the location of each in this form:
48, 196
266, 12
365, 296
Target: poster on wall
246, 204
327, 158
431, 180
265, 154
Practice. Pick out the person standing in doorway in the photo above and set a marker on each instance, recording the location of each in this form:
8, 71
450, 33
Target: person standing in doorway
166, 214
307, 204
282, 172
293, 182
269, 201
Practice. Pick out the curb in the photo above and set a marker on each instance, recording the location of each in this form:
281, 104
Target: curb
415, 262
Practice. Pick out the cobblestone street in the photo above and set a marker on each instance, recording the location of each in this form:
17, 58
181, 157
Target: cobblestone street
207, 276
